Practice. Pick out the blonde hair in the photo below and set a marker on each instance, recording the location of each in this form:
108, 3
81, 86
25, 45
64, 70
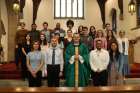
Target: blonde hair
97, 34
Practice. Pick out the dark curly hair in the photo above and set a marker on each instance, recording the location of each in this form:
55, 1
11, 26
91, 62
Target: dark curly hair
70, 22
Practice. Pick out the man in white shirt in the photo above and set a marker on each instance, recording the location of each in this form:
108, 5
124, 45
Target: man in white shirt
99, 60
54, 62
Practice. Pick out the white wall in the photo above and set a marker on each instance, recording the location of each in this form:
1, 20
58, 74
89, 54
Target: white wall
4, 17
27, 13
46, 13
92, 17
126, 24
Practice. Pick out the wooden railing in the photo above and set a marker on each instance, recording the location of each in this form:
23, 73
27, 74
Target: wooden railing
115, 89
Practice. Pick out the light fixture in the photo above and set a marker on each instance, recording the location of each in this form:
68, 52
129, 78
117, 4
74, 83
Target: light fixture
16, 6
132, 7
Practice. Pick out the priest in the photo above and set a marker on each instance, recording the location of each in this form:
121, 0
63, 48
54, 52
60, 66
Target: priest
81, 58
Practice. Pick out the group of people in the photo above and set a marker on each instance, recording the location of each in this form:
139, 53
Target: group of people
101, 55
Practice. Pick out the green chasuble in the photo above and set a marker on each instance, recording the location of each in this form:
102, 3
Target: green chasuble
84, 68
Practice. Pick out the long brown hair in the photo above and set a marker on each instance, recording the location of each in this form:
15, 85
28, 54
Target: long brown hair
32, 49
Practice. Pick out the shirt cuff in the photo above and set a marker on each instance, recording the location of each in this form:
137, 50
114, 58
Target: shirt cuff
71, 61
81, 59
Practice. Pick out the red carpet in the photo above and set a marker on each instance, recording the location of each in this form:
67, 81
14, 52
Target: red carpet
134, 71
9, 71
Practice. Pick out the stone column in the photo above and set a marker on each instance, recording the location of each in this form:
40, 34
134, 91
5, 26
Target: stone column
0, 12
12, 28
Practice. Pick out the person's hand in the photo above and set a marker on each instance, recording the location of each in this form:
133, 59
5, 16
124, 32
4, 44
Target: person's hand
76, 57
45, 73
98, 70
33, 73
60, 74
16, 46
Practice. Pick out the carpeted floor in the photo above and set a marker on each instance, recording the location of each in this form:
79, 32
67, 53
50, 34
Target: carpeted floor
134, 71
9, 71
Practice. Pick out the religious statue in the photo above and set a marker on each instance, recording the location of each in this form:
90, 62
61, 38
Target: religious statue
2, 30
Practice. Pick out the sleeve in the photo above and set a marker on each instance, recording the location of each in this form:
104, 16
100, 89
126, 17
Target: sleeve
127, 42
45, 61
91, 60
81, 59
68, 55
46, 58
94, 43
105, 43
16, 37
107, 58
71, 61
42, 57
61, 60
28, 55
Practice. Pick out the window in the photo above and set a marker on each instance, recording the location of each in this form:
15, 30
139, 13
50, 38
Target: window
68, 8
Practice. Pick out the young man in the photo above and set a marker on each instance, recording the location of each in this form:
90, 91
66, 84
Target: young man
60, 30
19, 40
86, 39
99, 60
34, 33
54, 62
46, 31
83, 62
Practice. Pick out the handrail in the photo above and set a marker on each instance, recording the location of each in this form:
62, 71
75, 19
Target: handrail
111, 89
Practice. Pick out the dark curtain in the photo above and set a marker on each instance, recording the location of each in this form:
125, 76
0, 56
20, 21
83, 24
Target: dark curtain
35, 9
120, 4
114, 20
22, 4
101, 4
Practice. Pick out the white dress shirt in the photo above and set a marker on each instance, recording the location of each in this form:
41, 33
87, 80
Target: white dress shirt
99, 60
58, 57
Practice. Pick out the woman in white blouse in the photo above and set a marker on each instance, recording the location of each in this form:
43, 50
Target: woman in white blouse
123, 49
44, 46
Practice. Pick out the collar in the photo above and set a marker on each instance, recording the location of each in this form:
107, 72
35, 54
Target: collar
99, 50
76, 44
54, 47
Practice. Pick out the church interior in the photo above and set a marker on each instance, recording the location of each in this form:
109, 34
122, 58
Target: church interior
122, 15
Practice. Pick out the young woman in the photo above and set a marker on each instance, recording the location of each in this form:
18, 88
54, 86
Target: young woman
110, 37
100, 35
34, 64
44, 46
26, 48
114, 68
92, 32
123, 48
80, 30
68, 39
60, 43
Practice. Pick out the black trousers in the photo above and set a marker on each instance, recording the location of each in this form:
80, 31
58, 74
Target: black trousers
18, 55
23, 67
100, 79
53, 75
35, 82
